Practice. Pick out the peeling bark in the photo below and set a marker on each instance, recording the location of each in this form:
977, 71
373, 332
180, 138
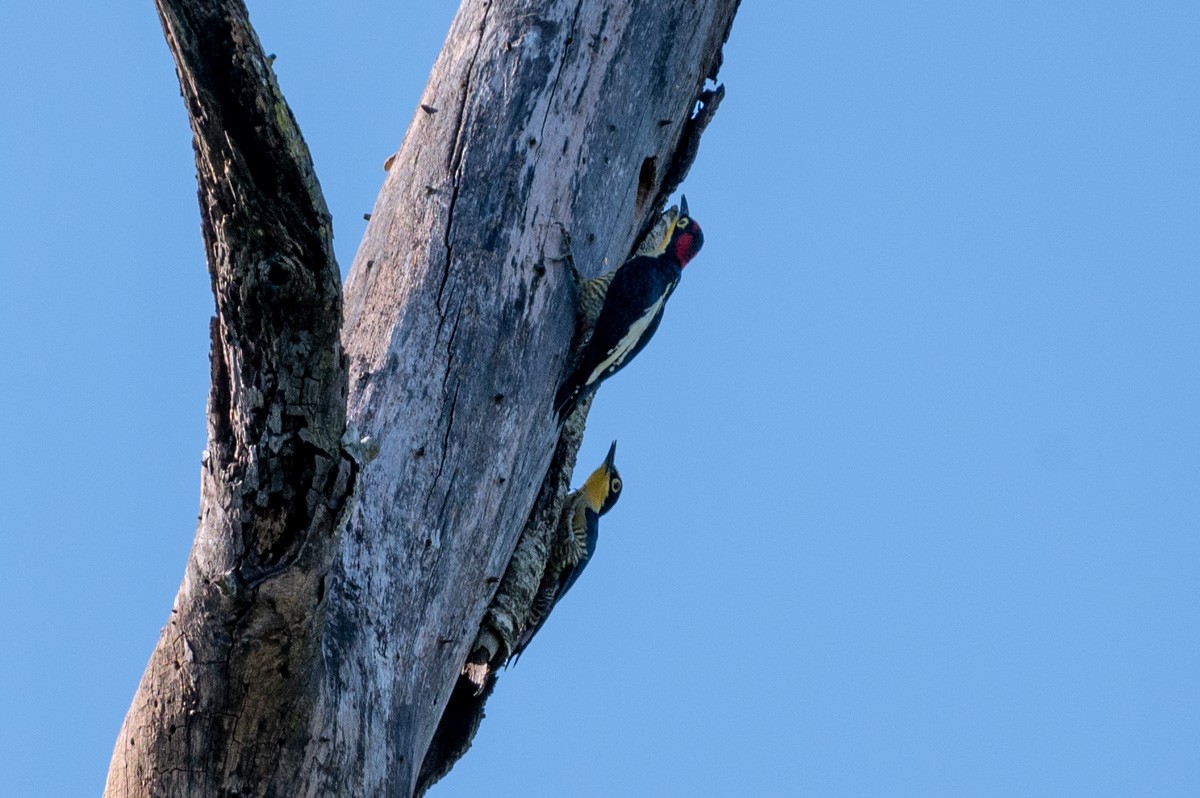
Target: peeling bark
328, 604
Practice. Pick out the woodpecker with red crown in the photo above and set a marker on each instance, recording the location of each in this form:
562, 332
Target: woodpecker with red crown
632, 310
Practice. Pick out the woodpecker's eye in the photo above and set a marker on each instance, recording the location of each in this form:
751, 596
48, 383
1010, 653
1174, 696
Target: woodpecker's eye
615, 486
682, 223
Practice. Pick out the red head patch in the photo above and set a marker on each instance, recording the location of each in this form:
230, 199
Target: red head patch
686, 241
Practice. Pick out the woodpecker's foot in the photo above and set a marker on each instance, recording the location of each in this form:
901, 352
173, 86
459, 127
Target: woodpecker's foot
567, 256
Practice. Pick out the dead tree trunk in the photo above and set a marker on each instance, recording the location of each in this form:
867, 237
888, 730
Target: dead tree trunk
329, 602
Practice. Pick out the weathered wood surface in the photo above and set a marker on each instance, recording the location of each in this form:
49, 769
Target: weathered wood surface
304, 659
237, 655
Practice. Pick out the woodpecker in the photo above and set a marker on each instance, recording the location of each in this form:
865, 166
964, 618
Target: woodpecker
632, 310
570, 556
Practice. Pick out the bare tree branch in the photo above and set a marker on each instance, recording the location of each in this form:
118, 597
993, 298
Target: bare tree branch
268, 237
551, 116
318, 636
238, 652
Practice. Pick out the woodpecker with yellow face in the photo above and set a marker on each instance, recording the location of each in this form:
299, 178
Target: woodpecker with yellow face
571, 555
632, 310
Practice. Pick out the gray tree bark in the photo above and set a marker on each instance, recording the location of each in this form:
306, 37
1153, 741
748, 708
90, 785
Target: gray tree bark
332, 596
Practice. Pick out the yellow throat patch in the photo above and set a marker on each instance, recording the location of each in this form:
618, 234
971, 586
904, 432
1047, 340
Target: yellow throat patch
595, 489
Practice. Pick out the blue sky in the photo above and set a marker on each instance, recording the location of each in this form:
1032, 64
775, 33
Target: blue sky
912, 466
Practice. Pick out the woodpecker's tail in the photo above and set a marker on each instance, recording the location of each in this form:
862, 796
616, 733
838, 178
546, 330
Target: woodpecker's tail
567, 398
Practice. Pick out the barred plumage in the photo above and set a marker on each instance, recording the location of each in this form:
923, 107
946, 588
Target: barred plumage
579, 529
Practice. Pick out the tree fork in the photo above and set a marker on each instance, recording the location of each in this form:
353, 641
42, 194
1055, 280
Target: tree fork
317, 637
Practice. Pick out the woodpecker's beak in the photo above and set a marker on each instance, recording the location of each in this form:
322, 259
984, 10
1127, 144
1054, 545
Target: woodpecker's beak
683, 211
612, 456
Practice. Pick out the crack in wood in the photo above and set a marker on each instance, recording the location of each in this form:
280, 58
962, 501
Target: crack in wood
457, 152
562, 62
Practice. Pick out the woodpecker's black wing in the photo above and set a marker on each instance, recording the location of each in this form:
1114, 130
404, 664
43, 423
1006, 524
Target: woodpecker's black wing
632, 310
569, 575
